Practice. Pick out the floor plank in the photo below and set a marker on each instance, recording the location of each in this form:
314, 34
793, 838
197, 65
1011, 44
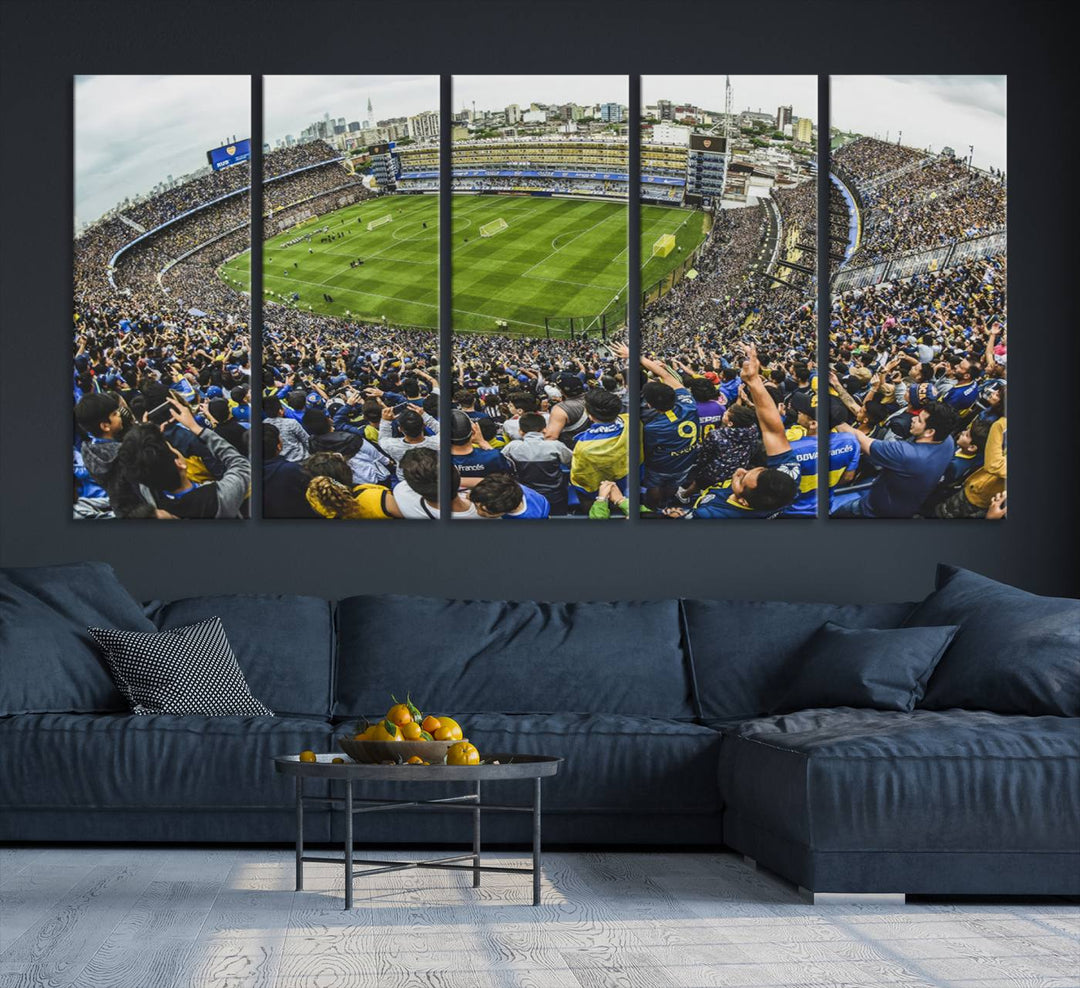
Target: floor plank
57, 947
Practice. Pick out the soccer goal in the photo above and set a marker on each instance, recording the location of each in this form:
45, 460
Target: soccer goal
495, 226
664, 245
381, 221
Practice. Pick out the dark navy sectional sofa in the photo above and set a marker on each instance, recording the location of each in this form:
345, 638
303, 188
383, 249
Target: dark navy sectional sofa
662, 710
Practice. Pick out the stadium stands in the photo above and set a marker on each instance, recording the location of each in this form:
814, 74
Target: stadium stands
152, 317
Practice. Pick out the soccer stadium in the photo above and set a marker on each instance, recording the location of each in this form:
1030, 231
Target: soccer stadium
918, 333
537, 250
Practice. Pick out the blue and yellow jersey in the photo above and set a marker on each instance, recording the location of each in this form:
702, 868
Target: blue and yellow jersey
843, 456
719, 502
671, 439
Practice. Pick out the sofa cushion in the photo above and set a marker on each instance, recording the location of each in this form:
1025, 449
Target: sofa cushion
118, 761
48, 661
743, 652
864, 780
865, 667
474, 656
613, 763
1015, 652
283, 643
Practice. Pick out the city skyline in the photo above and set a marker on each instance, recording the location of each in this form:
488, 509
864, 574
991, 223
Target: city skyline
956, 111
749, 92
496, 92
132, 132
292, 102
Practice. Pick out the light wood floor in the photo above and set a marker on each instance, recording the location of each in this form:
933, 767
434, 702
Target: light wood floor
187, 918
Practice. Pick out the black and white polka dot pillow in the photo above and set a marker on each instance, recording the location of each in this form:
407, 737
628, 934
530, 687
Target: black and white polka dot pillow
189, 670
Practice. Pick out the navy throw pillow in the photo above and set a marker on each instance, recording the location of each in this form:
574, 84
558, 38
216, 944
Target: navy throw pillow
883, 669
1015, 652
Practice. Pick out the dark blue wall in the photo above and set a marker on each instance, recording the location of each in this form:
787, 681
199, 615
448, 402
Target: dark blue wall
45, 44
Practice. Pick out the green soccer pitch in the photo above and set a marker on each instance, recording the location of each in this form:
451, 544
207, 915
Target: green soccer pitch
555, 258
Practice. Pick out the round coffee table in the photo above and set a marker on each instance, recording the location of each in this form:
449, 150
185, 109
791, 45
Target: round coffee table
535, 767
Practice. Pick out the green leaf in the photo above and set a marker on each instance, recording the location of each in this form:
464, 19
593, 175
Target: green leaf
425, 736
413, 709
390, 727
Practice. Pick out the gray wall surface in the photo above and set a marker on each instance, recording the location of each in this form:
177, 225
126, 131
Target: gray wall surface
44, 45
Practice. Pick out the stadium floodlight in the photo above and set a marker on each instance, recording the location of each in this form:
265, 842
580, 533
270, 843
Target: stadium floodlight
664, 245
495, 226
381, 221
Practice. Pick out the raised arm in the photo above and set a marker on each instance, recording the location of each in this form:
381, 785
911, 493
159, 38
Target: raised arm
771, 424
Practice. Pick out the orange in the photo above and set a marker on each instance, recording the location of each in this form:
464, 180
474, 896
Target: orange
385, 731
416, 760
431, 724
411, 731
449, 730
308, 756
337, 761
368, 734
462, 753
399, 714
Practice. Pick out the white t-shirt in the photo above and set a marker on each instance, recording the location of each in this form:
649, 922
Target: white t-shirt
412, 505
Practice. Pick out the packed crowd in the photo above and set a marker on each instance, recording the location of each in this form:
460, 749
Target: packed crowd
919, 383
537, 427
866, 158
728, 369
556, 186
918, 378
937, 203
161, 377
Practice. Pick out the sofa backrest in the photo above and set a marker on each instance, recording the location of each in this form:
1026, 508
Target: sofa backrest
284, 644
742, 652
475, 656
48, 662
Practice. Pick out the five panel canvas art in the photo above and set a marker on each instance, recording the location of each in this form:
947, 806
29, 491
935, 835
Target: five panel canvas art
724, 207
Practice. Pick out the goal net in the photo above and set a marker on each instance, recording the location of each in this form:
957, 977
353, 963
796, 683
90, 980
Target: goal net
381, 221
495, 226
664, 245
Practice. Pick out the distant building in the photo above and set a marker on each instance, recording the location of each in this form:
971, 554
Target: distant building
804, 130
750, 118
424, 126
534, 116
783, 117
611, 113
513, 114
666, 133
665, 109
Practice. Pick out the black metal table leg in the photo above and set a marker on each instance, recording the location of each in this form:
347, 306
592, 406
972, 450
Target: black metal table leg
476, 840
299, 833
348, 844
536, 841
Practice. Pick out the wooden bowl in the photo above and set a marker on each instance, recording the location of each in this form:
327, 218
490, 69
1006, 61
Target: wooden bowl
376, 752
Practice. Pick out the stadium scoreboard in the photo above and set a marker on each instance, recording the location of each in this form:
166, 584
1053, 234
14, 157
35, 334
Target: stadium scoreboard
708, 143
229, 154
706, 169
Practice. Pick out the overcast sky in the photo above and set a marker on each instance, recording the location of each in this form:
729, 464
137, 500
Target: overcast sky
934, 110
133, 131
748, 92
493, 92
291, 102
